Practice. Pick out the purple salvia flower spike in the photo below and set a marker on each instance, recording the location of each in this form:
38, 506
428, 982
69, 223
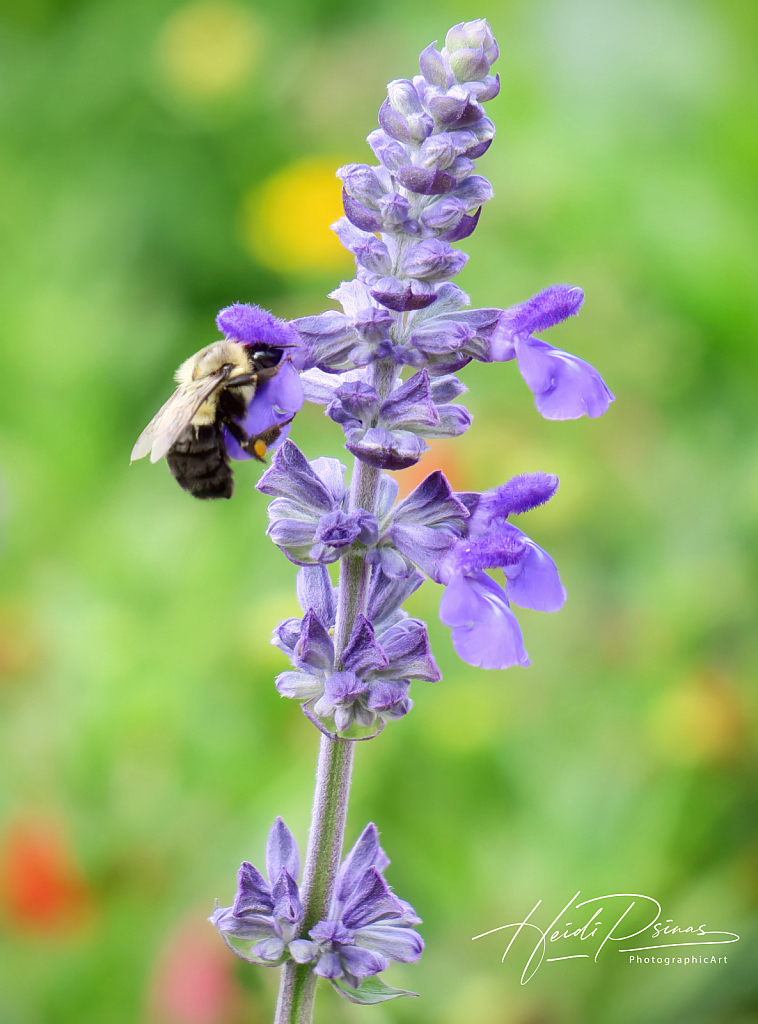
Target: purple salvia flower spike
355, 651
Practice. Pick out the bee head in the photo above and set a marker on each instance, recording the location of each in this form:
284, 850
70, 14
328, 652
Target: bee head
265, 359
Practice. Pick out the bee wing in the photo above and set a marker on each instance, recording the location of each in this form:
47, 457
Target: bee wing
173, 418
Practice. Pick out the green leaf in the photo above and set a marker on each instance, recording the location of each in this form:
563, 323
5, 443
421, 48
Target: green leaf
373, 990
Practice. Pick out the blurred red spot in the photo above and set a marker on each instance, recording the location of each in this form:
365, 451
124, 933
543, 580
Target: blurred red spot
41, 886
194, 981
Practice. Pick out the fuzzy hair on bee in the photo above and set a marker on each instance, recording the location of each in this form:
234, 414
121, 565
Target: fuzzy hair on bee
215, 387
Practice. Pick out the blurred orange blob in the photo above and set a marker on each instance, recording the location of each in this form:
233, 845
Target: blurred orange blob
208, 49
441, 455
699, 722
42, 889
285, 222
194, 981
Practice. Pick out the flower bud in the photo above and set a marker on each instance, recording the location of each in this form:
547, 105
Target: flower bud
471, 35
387, 149
433, 260
433, 67
362, 183
443, 215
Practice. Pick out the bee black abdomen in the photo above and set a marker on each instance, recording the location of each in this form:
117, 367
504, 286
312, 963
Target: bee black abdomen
200, 464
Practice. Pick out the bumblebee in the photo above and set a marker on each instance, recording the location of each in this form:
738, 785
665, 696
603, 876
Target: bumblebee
215, 388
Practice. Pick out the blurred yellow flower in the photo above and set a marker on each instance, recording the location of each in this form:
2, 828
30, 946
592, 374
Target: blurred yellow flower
285, 221
699, 722
207, 50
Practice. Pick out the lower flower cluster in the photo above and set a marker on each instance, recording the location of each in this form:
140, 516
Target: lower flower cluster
367, 926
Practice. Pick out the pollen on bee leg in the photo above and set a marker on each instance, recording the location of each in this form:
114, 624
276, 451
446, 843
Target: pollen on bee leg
259, 447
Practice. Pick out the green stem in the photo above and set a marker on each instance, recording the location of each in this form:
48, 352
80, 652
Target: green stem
297, 985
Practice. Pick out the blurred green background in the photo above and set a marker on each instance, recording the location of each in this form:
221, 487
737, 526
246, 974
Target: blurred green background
161, 160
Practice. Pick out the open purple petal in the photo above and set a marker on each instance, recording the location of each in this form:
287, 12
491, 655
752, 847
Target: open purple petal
485, 630
564, 386
274, 403
534, 582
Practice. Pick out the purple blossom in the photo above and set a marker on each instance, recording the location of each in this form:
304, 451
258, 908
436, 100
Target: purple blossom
384, 653
268, 913
424, 526
564, 386
275, 403
375, 673
308, 520
367, 928
390, 434
251, 324
485, 630
368, 925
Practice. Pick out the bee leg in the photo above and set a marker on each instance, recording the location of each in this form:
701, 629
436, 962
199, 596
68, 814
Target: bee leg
258, 446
